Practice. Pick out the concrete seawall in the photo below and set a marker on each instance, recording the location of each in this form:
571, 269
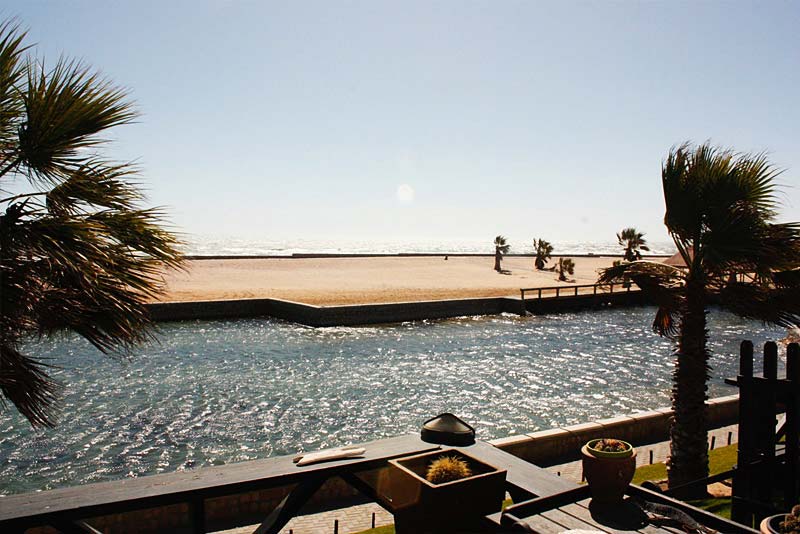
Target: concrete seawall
362, 314
561, 445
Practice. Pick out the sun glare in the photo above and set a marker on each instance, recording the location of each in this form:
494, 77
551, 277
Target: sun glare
405, 193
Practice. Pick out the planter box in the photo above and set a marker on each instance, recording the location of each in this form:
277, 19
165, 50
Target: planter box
422, 506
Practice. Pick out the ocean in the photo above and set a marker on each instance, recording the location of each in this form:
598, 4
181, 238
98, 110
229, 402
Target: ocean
197, 245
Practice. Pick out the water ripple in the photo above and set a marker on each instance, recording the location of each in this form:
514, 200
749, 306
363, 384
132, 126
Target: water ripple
216, 392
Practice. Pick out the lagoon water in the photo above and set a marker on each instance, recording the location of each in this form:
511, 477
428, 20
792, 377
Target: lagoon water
215, 392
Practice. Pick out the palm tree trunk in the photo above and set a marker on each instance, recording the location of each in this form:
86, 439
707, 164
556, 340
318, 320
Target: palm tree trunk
689, 437
497, 257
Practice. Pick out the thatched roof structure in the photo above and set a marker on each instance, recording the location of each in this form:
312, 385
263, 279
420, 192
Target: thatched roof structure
676, 260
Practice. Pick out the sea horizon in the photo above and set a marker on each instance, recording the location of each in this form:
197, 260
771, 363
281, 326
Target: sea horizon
200, 245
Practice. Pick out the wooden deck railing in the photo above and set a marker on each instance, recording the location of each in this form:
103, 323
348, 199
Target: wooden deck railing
571, 291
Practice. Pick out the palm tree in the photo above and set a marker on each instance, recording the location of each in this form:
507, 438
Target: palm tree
77, 251
633, 242
500, 248
543, 251
565, 266
720, 208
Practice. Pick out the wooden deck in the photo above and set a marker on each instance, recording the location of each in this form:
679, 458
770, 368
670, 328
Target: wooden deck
66, 508
573, 510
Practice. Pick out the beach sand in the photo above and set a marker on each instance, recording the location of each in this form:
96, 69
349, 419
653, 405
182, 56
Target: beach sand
336, 281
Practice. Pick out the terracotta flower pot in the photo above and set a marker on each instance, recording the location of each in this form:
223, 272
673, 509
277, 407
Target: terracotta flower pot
608, 473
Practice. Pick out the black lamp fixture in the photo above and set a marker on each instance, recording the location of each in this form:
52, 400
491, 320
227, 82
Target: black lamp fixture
447, 429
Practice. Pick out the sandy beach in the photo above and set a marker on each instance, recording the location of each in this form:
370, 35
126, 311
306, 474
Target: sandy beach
332, 281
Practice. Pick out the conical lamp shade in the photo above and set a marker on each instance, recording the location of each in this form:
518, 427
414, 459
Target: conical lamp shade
447, 429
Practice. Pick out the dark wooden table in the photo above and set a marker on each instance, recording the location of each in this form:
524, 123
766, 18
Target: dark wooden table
574, 510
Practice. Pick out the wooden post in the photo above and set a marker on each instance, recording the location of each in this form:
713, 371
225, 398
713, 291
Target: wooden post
594, 289
771, 360
540, 293
576, 291
198, 511
558, 292
522, 300
610, 288
746, 359
740, 511
766, 404
791, 490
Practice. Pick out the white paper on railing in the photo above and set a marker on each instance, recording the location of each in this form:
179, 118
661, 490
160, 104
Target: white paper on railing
332, 454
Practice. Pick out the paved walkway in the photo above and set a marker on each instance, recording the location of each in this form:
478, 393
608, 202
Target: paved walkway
358, 518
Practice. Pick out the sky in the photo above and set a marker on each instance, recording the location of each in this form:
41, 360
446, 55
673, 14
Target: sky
431, 119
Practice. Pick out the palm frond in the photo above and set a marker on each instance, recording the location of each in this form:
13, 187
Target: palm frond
501, 245
633, 241
11, 71
65, 110
681, 197
661, 283
25, 383
95, 184
775, 305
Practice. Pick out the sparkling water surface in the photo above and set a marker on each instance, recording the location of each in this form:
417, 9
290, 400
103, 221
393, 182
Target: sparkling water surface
216, 392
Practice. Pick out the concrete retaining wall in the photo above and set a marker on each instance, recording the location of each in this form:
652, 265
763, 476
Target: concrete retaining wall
381, 313
561, 445
330, 315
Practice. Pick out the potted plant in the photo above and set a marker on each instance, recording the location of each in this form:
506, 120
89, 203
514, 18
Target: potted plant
608, 466
782, 523
443, 491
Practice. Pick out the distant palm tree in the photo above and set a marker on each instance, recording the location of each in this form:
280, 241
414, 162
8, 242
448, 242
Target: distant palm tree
720, 208
77, 252
565, 266
500, 248
633, 242
543, 252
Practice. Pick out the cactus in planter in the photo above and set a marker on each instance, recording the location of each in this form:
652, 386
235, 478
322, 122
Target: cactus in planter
446, 469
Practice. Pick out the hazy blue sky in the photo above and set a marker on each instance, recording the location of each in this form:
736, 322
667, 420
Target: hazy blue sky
304, 119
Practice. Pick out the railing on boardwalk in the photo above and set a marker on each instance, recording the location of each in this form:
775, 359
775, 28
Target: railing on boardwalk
571, 291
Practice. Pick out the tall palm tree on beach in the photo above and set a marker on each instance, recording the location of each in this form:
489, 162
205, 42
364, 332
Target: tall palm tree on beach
77, 250
633, 242
720, 212
543, 252
500, 248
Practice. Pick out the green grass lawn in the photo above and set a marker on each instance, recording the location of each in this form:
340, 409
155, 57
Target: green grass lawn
388, 529
719, 461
